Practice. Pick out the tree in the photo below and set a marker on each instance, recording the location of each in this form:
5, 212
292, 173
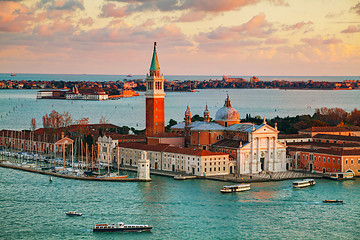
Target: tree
196, 117
332, 116
57, 120
103, 120
355, 117
81, 125
172, 122
33, 124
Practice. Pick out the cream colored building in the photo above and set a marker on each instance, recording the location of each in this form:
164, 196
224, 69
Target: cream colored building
174, 159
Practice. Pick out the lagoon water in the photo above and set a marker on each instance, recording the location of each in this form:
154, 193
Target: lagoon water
33, 208
18, 107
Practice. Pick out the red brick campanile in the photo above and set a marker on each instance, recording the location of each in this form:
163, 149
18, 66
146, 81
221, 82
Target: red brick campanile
155, 107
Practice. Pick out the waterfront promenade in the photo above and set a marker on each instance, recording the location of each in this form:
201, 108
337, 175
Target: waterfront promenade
243, 178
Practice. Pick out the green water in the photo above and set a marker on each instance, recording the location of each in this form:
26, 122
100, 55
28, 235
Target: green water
31, 207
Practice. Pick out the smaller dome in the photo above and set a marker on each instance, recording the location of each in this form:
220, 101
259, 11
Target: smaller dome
227, 113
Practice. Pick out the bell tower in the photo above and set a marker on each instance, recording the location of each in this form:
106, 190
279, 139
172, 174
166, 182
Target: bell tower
155, 107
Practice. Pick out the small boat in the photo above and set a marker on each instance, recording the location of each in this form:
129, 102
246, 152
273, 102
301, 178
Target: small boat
333, 201
121, 227
235, 188
304, 183
129, 75
342, 176
73, 213
13, 74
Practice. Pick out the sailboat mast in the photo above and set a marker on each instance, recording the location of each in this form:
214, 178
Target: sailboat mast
98, 155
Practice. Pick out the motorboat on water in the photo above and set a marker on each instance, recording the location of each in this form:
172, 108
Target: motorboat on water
304, 183
333, 201
13, 74
121, 227
73, 213
235, 188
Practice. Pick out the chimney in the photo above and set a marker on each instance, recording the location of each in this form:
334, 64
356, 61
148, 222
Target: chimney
62, 135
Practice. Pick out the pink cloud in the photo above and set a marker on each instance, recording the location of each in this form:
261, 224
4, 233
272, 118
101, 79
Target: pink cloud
217, 5
276, 41
192, 16
214, 6
86, 21
13, 17
280, 2
110, 10
320, 41
351, 29
298, 25
356, 8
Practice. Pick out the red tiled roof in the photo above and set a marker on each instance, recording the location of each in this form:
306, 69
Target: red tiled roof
168, 148
331, 151
142, 146
117, 136
331, 129
229, 143
165, 135
293, 136
337, 137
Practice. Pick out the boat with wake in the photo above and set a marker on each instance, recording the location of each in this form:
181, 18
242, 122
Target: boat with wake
121, 227
333, 201
73, 213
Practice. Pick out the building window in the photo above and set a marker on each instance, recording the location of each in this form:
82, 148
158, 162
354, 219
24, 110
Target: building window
352, 161
324, 159
210, 169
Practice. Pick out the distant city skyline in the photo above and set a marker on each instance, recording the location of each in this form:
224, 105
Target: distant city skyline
195, 37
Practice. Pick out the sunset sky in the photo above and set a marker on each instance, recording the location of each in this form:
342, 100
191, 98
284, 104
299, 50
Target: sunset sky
195, 37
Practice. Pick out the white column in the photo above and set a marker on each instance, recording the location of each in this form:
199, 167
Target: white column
268, 153
258, 154
275, 155
251, 155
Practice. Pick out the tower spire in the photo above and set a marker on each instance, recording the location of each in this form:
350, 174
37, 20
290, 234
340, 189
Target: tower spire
154, 66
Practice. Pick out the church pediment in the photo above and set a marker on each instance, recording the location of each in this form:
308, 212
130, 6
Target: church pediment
264, 128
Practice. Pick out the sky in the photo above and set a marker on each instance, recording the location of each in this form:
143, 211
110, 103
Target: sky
194, 37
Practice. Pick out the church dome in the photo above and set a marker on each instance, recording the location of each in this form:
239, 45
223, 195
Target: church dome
227, 115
